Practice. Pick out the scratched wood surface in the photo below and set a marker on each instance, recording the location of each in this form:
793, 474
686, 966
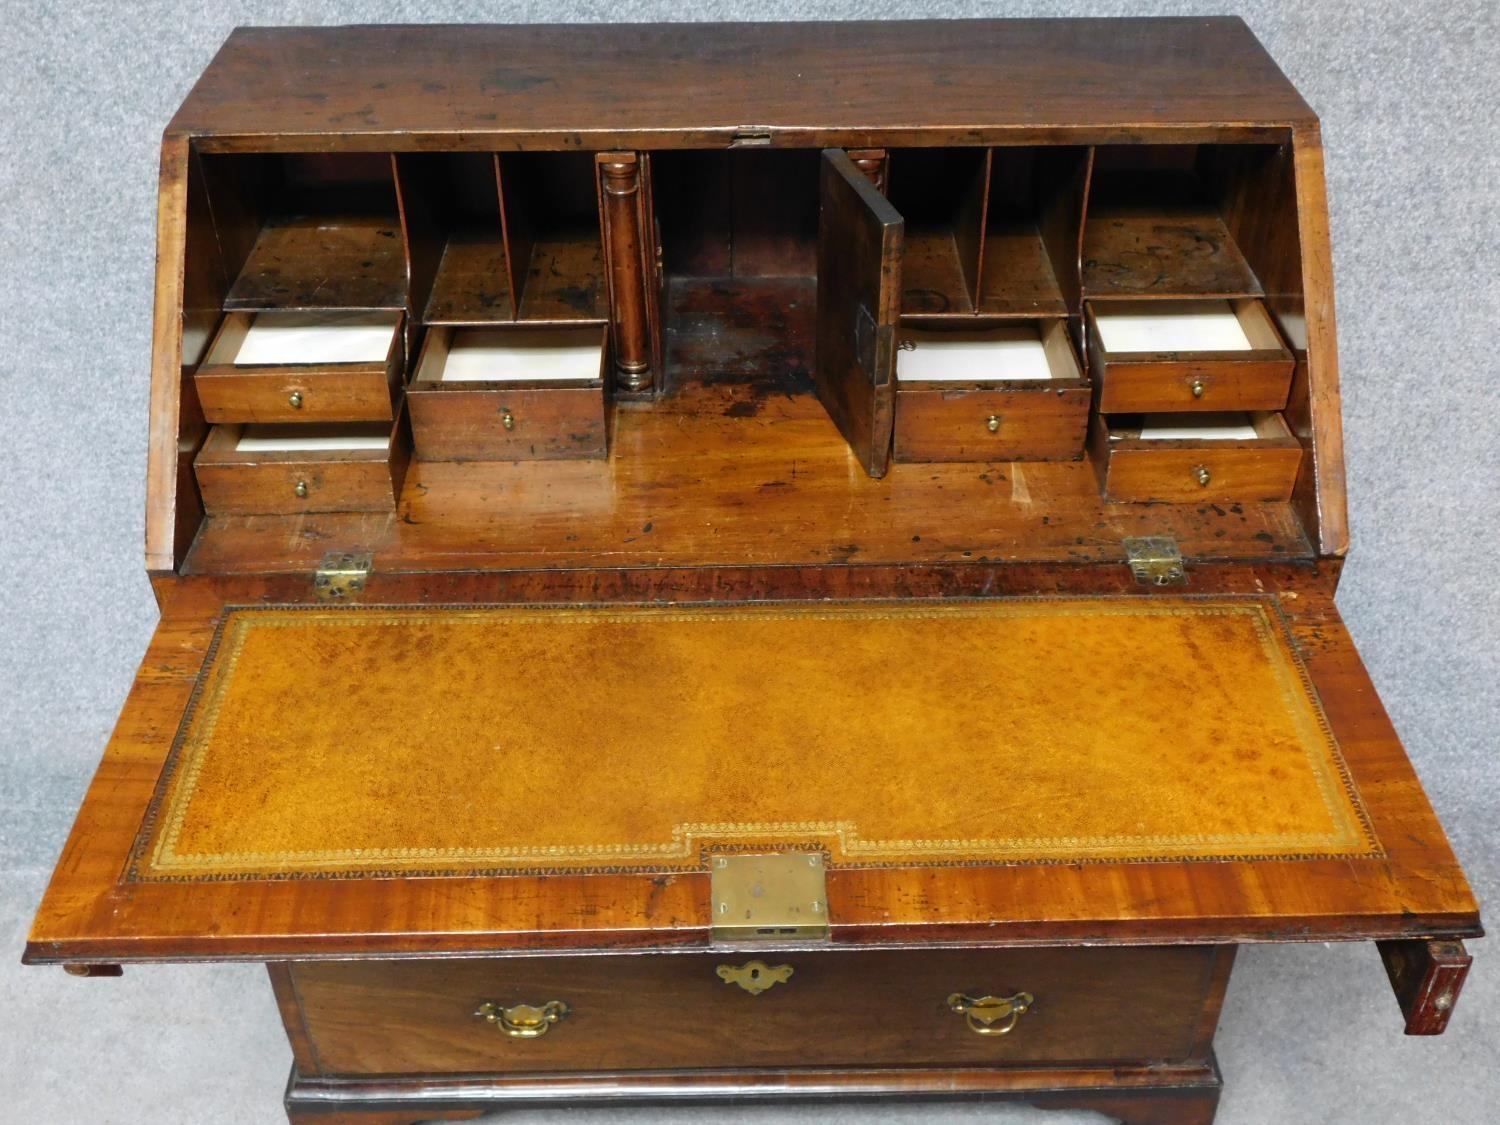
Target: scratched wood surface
725, 472
555, 87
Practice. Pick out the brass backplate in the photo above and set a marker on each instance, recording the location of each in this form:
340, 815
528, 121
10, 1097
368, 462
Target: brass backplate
766, 897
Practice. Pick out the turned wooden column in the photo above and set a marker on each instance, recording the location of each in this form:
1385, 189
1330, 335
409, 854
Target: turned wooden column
872, 162
623, 213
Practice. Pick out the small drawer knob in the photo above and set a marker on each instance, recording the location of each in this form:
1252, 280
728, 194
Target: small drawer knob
1202, 476
1198, 386
992, 423
991, 1015
507, 419
294, 400
301, 490
523, 1021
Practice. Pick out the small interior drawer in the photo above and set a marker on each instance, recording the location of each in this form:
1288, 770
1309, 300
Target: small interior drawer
303, 366
510, 394
1169, 355
313, 467
1250, 458
817, 1008
1013, 391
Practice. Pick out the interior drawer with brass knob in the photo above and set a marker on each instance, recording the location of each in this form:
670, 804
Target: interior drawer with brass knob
784, 1009
274, 469
285, 365
510, 393
1233, 457
1011, 391
1170, 355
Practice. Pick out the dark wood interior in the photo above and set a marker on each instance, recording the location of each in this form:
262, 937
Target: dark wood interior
304, 230
988, 233
1159, 221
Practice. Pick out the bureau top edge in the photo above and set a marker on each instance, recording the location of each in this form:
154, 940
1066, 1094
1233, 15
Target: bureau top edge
695, 84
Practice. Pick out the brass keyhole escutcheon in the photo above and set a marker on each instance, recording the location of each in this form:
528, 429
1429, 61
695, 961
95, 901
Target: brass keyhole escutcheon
1198, 387
991, 1015
1202, 476
523, 1021
295, 400
992, 423
507, 419
754, 976
301, 490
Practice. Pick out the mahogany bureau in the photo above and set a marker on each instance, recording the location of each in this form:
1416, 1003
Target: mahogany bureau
749, 561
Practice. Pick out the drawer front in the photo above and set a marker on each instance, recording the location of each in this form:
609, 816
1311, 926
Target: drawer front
275, 488
655, 1011
1149, 387
360, 394
1179, 475
523, 424
1043, 424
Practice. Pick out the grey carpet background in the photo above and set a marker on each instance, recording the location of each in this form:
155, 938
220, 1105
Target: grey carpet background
1407, 94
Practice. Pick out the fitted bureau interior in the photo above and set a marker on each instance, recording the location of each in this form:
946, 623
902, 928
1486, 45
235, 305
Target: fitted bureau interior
1039, 299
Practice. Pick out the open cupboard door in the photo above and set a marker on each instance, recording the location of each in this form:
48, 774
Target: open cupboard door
281, 784
860, 240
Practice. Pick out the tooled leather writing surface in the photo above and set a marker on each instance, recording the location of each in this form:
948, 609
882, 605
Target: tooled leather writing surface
357, 741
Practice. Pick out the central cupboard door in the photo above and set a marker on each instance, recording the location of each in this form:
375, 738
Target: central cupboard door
860, 241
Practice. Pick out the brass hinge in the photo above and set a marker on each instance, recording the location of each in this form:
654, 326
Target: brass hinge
1155, 561
342, 575
766, 897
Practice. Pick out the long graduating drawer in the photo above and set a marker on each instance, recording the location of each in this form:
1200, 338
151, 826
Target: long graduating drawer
875, 1008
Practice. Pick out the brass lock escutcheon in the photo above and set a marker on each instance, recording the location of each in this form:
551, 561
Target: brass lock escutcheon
523, 1021
991, 1015
754, 976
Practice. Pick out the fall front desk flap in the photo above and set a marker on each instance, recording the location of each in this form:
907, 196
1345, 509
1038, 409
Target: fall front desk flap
959, 764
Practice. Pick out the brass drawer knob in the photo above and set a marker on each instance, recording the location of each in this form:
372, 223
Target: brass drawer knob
301, 490
991, 1015
992, 423
1198, 387
295, 400
1202, 476
754, 976
507, 419
523, 1021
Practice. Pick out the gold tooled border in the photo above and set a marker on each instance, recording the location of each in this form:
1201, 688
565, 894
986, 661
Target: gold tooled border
154, 857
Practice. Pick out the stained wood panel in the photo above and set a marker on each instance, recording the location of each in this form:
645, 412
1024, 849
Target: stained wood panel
555, 87
860, 252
